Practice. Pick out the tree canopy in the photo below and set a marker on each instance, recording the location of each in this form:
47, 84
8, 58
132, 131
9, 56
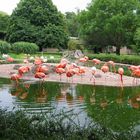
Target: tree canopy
4, 20
110, 22
72, 23
38, 22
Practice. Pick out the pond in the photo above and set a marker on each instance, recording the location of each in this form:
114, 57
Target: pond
112, 107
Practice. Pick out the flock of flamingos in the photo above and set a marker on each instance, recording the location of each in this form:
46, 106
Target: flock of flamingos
70, 69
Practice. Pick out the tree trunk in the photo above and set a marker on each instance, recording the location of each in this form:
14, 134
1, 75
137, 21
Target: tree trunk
40, 49
118, 50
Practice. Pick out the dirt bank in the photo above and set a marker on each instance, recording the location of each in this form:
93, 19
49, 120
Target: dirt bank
107, 79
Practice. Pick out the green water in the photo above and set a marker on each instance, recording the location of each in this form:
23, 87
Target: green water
112, 107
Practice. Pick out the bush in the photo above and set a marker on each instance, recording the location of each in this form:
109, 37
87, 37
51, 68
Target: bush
17, 125
126, 59
74, 44
4, 47
25, 47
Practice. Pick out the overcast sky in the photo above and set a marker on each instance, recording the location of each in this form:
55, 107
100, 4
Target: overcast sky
62, 5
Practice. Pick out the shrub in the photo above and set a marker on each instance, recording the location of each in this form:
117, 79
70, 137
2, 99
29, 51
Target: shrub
17, 125
126, 59
25, 47
74, 44
4, 47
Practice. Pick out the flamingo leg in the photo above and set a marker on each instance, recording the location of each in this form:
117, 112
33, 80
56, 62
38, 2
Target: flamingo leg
60, 77
72, 79
121, 81
16, 82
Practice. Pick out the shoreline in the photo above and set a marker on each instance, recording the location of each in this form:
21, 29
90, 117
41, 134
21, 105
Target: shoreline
107, 79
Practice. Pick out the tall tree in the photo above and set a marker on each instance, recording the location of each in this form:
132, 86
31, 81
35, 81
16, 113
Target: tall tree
110, 22
38, 21
72, 23
4, 20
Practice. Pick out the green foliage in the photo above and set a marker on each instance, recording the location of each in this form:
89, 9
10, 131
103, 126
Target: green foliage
4, 47
25, 47
16, 125
72, 23
136, 47
4, 20
41, 24
74, 44
126, 59
110, 22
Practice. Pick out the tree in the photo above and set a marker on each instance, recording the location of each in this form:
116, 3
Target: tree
109, 22
4, 20
38, 22
136, 47
72, 23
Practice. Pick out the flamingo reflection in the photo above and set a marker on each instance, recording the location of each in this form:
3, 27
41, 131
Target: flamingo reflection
135, 101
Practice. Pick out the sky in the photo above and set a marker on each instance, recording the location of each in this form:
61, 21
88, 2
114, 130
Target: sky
62, 5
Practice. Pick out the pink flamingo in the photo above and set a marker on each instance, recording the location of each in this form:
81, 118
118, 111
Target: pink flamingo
38, 61
23, 69
42, 68
134, 72
16, 77
84, 59
96, 61
60, 71
105, 69
121, 72
93, 70
69, 73
10, 59
40, 75
112, 64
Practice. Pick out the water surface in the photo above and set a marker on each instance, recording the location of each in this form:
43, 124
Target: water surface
113, 107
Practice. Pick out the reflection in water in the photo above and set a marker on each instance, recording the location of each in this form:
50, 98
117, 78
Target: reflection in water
113, 107
42, 96
103, 103
20, 90
135, 101
119, 99
67, 93
93, 98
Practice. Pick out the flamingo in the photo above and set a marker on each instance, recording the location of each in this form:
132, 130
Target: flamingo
64, 61
96, 61
38, 61
134, 72
121, 72
10, 59
61, 65
105, 69
82, 70
60, 71
69, 73
93, 70
40, 75
112, 64
42, 68
5, 56
26, 61
16, 77
83, 59
23, 69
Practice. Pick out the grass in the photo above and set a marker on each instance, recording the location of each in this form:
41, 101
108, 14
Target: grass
19, 57
17, 125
